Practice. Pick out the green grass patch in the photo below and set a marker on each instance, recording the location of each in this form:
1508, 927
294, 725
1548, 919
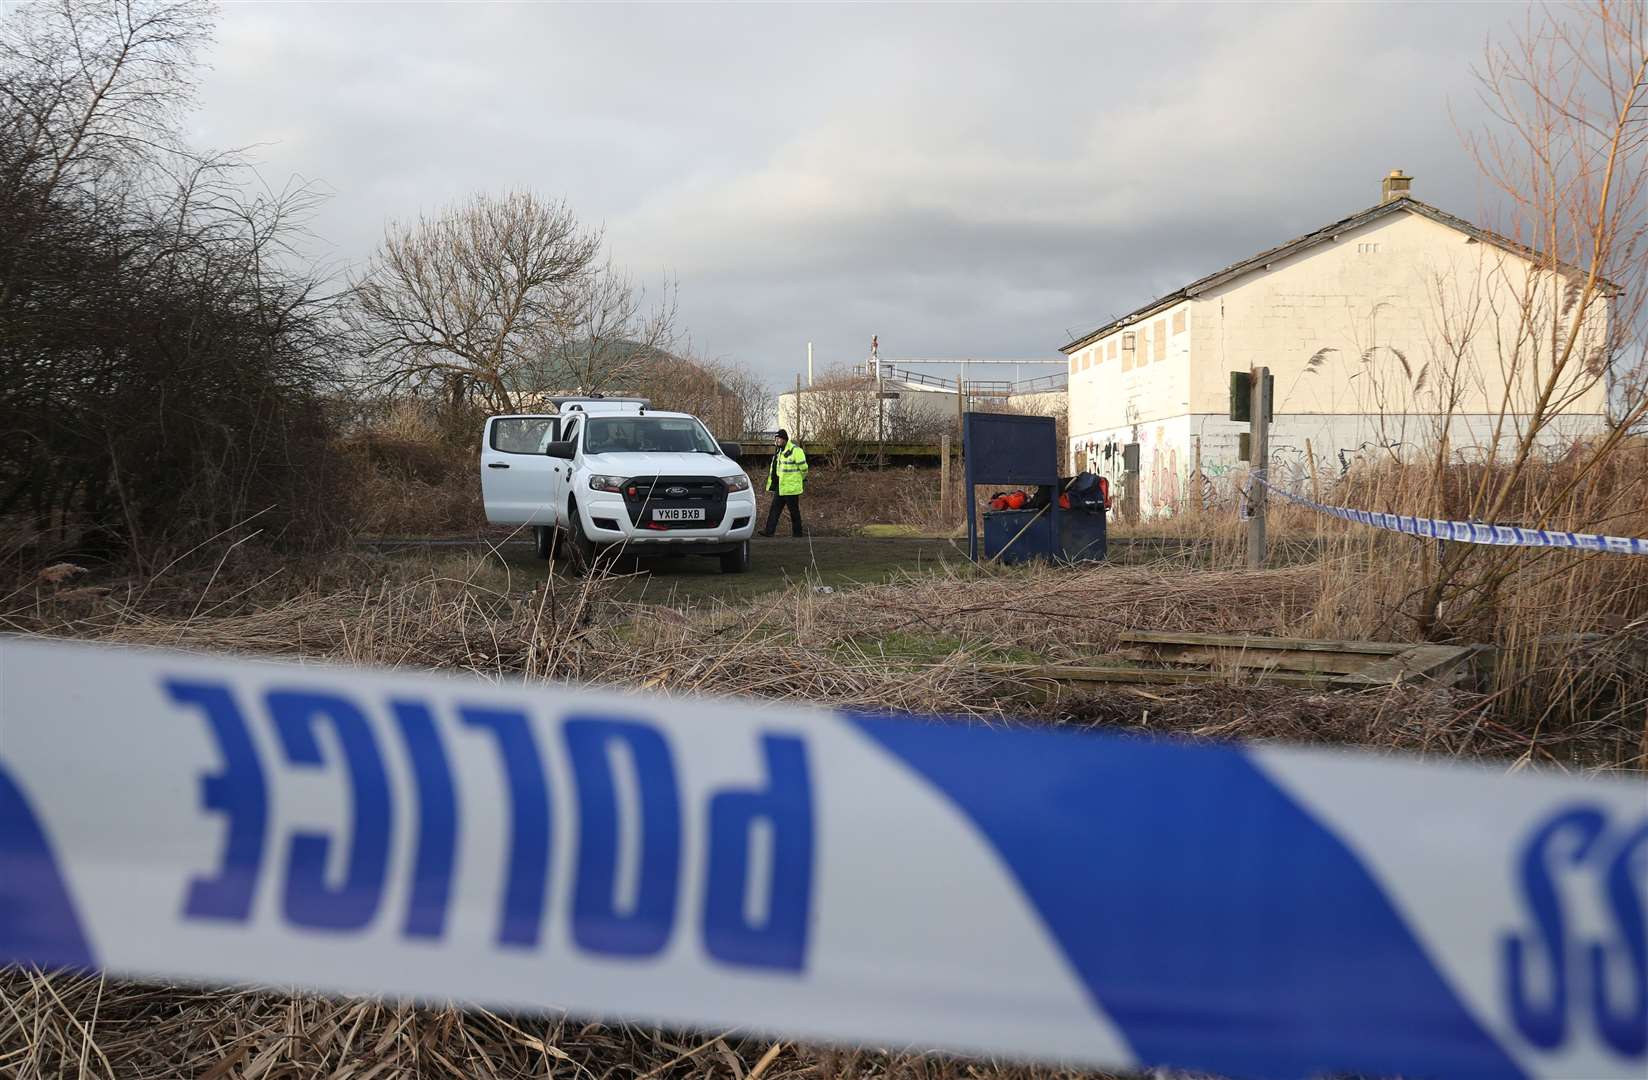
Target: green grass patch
922, 648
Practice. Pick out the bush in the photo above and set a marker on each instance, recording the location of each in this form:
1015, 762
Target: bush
161, 370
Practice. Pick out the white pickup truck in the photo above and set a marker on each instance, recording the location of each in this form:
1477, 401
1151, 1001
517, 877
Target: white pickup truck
613, 474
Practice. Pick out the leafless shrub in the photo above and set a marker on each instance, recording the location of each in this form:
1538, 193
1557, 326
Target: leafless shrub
838, 412
162, 358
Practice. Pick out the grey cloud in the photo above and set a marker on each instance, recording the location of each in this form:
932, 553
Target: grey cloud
955, 179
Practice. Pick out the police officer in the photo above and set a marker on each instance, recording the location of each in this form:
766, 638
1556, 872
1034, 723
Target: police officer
787, 477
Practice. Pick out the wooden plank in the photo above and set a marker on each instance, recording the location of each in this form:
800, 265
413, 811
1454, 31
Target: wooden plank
1266, 659
1366, 665
1088, 673
1173, 637
1440, 663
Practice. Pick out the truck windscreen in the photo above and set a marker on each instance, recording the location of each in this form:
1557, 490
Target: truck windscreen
647, 435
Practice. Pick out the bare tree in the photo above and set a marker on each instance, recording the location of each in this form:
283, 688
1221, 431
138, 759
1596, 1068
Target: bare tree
837, 413
463, 300
753, 400
1570, 157
604, 338
90, 97
731, 399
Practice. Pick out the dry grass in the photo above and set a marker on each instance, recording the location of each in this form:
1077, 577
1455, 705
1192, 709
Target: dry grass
841, 501
411, 485
1570, 628
794, 644
911, 645
72, 1025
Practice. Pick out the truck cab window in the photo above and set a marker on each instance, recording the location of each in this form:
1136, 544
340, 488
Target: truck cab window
521, 434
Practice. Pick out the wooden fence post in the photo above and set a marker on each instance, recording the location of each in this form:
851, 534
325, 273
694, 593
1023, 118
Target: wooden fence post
944, 479
1257, 497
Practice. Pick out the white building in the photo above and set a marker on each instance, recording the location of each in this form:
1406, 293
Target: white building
1382, 332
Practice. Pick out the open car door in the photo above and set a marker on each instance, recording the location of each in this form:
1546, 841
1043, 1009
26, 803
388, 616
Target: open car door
515, 471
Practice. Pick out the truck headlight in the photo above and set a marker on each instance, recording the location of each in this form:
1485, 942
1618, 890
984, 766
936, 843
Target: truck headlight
608, 483
736, 483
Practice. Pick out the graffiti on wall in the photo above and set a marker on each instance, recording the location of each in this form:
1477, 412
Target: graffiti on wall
1165, 489
1096, 455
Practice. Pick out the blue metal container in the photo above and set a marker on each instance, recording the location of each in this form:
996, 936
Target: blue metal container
1001, 526
1082, 535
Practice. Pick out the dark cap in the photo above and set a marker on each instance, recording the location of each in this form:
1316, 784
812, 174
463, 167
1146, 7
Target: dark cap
782, 434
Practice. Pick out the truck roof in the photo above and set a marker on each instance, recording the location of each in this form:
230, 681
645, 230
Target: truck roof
647, 415
595, 404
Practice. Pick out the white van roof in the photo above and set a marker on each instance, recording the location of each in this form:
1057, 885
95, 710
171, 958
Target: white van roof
596, 404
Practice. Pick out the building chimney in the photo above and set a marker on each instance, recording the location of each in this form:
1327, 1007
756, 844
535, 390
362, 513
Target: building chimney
1398, 185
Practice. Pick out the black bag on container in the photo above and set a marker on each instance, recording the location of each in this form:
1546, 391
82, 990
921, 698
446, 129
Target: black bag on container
1086, 493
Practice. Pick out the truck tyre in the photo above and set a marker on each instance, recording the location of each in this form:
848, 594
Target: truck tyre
580, 549
736, 561
543, 540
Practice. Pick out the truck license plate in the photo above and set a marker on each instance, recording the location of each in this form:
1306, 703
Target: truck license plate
678, 514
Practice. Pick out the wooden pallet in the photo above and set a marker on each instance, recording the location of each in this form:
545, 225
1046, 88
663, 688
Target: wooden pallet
1156, 657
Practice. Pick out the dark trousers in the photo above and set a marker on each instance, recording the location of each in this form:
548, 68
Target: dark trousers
779, 503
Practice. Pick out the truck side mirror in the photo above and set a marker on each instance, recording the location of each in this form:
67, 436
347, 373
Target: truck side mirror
732, 450
562, 450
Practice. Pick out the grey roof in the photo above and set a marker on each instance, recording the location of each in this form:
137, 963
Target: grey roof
1327, 233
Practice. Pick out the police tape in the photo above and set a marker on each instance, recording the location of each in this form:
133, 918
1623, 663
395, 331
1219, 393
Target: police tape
1051, 895
1469, 532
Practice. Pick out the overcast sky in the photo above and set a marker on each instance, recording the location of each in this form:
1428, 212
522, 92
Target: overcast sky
980, 181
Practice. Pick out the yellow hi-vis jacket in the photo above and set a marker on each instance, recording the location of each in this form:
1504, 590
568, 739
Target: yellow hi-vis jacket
791, 467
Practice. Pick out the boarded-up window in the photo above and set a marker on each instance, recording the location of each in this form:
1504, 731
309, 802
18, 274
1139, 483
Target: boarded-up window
1158, 337
1179, 321
1112, 348
1073, 365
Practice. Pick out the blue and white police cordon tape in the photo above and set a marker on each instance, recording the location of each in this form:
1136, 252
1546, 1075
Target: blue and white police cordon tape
1251, 911
1470, 532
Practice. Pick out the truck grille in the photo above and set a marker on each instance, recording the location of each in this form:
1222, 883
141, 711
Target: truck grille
646, 493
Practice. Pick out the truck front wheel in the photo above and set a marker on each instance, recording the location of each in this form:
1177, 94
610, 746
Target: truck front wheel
580, 548
543, 540
736, 561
